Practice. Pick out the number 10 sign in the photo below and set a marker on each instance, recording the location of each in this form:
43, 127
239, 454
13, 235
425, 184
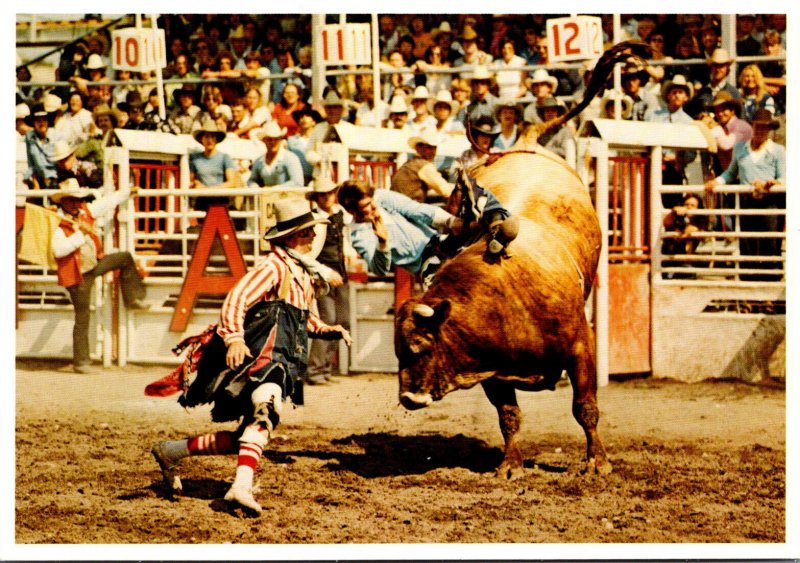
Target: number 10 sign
138, 49
575, 38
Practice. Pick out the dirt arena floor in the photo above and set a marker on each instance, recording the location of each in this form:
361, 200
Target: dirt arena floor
699, 463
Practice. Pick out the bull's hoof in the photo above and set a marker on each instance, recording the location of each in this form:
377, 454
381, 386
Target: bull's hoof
598, 467
509, 471
414, 401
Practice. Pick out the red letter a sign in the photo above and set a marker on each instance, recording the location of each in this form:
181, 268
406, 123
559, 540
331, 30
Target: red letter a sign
217, 222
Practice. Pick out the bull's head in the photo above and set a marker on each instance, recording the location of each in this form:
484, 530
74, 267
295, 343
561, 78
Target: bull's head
417, 333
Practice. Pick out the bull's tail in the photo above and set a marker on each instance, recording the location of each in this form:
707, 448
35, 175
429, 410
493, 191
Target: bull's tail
619, 53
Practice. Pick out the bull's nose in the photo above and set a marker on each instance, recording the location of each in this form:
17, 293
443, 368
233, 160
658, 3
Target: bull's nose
414, 401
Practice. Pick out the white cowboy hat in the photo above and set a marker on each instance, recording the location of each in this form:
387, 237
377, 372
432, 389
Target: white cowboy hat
292, 215
541, 75
427, 136
420, 93
323, 184
95, 62
70, 188
443, 97
678, 81
444, 27
481, 72
398, 105
23, 111
61, 150
271, 130
53, 103
720, 57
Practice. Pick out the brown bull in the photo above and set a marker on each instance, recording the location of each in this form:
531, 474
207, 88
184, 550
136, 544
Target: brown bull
517, 323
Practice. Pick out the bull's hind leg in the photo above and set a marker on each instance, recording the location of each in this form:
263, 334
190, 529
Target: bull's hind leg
583, 376
504, 399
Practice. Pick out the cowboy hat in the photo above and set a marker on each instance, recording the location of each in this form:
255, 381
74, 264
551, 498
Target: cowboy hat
70, 188
678, 81
765, 117
39, 111
332, 98
104, 109
420, 93
292, 215
507, 103
209, 126
61, 150
541, 75
427, 136
23, 111
720, 57
271, 130
485, 125
724, 98
442, 97
95, 62
237, 33
312, 113
398, 105
550, 102
611, 96
444, 27
468, 34
323, 185
481, 72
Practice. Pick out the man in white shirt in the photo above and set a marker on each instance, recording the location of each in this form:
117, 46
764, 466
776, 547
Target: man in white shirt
329, 132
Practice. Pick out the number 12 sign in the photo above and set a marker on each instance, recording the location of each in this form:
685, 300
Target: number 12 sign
575, 38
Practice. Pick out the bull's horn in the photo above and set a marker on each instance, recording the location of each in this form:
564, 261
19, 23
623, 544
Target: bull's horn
413, 401
423, 310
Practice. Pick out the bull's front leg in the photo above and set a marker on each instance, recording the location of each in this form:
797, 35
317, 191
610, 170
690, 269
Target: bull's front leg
504, 399
583, 376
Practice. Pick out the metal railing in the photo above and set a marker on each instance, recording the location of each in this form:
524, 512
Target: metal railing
725, 252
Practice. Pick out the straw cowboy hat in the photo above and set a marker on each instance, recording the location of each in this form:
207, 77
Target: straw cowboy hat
237, 33
62, 150
427, 137
725, 99
322, 185
398, 105
70, 188
292, 215
678, 81
468, 34
104, 109
541, 75
95, 62
271, 130
626, 101
720, 57
765, 117
508, 103
443, 97
209, 126
332, 98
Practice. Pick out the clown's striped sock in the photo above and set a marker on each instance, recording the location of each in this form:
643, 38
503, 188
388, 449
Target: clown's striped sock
214, 443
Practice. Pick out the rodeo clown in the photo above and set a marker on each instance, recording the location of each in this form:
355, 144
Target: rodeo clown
255, 357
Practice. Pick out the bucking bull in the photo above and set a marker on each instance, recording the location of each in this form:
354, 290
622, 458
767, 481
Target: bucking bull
517, 323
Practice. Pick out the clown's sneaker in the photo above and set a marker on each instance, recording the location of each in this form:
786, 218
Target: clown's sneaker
244, 498
169, 467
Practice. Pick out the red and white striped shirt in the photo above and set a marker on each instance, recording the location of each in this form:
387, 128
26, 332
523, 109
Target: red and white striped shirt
263, 283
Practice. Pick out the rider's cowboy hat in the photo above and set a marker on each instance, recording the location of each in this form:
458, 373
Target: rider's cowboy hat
70, 188
292, 215
678, 81
271, 130
209, 126
427, 136
61, 150
442, 97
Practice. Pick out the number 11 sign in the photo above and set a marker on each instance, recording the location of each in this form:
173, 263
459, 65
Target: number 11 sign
575, 38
